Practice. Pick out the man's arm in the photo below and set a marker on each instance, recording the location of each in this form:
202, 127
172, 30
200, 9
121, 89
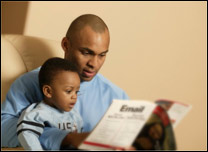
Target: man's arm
8, 131
21, 94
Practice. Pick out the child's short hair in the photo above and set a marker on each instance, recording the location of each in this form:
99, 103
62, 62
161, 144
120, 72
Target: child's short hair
51, 67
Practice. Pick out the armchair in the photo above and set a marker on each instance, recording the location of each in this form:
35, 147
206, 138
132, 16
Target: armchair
21, 54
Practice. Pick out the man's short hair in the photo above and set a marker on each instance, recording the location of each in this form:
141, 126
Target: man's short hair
51, 68
95, 22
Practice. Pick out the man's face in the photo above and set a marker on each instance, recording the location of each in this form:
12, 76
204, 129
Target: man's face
88, 51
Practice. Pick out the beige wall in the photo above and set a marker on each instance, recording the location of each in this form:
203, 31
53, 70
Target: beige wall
157, 50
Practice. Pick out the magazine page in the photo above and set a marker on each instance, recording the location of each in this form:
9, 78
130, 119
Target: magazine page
120, 125
176, 110
157, 133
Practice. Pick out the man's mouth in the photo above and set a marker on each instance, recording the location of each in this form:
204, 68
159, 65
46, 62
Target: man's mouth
88, 74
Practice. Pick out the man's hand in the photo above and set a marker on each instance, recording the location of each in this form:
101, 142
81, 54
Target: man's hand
74, 139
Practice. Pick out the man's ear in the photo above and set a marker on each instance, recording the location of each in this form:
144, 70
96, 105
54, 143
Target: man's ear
47, 91
65, 44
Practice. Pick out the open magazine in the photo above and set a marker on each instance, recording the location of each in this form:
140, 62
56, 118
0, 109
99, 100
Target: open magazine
138, 123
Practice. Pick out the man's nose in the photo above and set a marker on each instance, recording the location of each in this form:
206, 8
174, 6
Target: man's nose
93, 62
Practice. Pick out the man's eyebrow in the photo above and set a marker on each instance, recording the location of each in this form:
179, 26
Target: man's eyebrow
104, 52
87, 49
91, 51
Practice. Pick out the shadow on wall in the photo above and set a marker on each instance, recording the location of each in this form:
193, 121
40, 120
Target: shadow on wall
14, 17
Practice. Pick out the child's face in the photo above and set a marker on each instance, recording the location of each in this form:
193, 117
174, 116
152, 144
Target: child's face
156, 131
65, 87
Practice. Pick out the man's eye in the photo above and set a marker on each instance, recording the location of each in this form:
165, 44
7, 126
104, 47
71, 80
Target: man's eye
85, 53
102, 55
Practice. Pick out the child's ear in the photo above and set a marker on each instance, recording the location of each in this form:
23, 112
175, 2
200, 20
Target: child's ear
47, 91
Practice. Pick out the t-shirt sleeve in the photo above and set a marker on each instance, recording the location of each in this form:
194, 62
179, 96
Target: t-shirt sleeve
29, 128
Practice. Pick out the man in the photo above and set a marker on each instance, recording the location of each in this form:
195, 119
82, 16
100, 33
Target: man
86, 44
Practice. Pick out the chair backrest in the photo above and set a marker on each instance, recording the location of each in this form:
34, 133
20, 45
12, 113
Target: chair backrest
20, 54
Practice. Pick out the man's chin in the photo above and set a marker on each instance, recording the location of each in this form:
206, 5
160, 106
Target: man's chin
86, 78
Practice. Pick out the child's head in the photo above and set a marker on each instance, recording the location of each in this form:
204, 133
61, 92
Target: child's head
156, 131
59, 83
